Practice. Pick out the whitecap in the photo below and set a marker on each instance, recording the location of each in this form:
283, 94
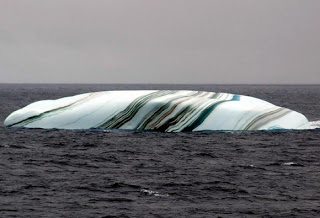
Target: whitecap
154, 193
289, 164
292, 164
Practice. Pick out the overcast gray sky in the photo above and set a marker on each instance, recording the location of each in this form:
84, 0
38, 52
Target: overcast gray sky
160, 41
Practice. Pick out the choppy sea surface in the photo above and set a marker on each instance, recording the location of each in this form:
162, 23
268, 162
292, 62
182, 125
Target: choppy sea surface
65, 173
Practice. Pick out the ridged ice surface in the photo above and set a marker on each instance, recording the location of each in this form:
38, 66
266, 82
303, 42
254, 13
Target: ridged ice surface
157, 110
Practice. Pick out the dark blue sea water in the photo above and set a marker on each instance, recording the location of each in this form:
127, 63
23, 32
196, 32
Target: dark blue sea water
64, 173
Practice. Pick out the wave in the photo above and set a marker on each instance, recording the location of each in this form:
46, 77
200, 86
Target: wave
150, 192
315, 124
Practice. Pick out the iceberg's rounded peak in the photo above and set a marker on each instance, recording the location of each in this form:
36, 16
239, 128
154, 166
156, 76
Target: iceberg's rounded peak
158, 110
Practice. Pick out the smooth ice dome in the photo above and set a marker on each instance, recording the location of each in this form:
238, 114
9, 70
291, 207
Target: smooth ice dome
167, 111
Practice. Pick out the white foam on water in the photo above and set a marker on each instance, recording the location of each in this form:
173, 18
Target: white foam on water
315, 124
293, 164
150, 192
289, 164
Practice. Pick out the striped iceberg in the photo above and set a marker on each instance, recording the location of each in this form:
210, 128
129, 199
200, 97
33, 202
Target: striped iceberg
157, 110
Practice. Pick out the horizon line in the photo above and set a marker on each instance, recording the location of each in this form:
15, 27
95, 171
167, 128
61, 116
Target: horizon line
77, 83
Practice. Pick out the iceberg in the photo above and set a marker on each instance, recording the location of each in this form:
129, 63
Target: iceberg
157, 110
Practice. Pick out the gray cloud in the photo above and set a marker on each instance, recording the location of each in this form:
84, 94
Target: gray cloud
167, 41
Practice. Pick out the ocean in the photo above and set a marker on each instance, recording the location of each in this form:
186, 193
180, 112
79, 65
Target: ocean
95, 173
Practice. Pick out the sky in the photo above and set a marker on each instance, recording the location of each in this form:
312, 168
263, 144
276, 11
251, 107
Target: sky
160, 41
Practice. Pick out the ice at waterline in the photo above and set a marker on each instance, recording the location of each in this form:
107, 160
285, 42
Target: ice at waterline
157, 110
